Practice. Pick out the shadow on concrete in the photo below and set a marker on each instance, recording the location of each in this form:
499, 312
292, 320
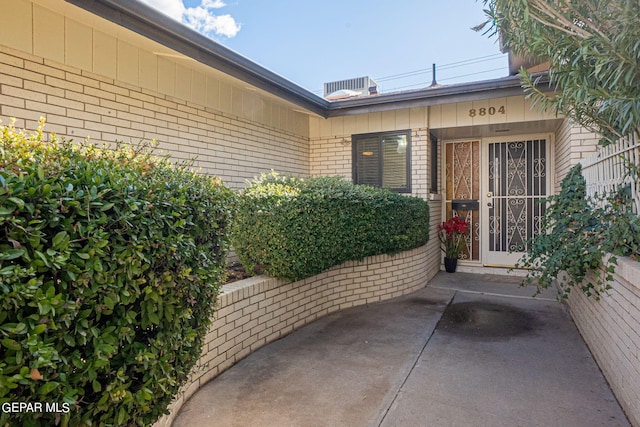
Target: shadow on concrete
466, 350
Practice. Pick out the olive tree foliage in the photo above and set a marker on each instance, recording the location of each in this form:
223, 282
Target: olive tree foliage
593, 49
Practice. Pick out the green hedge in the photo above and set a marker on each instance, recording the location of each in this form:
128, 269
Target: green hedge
110, 262
294, 228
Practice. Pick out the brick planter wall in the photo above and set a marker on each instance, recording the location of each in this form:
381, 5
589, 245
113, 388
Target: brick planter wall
611, 329
256, 311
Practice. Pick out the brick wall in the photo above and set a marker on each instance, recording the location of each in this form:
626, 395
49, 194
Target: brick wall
79, 104
331, 156
573, 144
254, 312
610, 326
611, 329
434, 254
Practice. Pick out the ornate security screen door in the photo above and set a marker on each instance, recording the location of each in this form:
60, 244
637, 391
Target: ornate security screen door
462, 182
516, 180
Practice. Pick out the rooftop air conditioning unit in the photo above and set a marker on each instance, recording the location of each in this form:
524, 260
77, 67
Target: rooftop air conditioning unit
360, 86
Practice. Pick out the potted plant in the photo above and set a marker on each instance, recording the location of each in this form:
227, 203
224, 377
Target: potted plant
451, 233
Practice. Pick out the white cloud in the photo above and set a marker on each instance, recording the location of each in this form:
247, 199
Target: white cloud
213, 4
200, 18
205, 22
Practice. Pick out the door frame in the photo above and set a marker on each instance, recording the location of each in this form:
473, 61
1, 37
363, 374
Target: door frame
444, 191
510, 259
484, 184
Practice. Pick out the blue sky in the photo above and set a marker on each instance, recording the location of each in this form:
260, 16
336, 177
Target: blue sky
313, 42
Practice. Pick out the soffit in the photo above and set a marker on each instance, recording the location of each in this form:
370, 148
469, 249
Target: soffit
189, 45
91, 18
152, 24
497, 130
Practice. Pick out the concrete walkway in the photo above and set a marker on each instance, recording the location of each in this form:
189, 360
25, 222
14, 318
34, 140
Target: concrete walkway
467, 350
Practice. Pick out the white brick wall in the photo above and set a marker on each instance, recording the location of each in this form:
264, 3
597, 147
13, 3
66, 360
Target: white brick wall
611, 329
78, 104
254, 312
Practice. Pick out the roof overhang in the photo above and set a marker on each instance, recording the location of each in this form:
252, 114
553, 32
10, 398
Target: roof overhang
463, 92
148, 22
154, 25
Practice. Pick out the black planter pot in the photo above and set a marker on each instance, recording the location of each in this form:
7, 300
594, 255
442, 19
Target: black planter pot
450, 264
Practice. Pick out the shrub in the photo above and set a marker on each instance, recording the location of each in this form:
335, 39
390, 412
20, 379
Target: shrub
295, 228
110, 261
576, 235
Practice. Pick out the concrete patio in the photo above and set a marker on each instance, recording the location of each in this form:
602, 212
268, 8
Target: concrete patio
466, 350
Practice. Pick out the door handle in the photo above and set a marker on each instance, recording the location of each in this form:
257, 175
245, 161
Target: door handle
489, 195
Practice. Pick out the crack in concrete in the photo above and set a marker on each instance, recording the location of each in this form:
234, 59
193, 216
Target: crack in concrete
415, 362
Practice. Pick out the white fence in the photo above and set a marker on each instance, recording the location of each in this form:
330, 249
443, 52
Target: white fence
608, 170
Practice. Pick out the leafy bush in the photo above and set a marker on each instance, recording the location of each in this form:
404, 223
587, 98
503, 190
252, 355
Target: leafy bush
295, 228
110, 261
577, 234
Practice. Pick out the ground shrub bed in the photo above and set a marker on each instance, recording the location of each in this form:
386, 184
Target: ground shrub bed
294, 228
110, 261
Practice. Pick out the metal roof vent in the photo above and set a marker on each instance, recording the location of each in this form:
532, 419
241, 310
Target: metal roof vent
360, 86
434, 82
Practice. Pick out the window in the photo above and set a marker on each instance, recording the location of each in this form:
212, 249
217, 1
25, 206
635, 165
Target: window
383, 160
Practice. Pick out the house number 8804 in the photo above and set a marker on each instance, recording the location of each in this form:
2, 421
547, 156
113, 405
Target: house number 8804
491, 111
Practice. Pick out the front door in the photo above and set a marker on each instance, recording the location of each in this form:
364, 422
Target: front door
515, 180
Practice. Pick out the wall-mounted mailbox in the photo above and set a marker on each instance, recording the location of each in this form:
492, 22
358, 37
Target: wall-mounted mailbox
465, 205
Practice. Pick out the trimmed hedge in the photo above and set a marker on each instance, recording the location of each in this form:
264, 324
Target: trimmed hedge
294, 228
110, 263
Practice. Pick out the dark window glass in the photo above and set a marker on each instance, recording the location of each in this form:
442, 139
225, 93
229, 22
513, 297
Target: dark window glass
383, 160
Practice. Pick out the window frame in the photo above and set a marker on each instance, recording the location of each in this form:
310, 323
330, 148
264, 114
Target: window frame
434, 164
380, 137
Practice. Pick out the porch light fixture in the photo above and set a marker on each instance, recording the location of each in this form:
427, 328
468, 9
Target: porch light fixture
367, 153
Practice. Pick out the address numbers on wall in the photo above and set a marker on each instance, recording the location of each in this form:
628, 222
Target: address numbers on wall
491, 111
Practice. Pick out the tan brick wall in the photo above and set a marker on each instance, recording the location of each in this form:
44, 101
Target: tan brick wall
256, 311
420, 163
610, 326
573, 144
60, 32
78, 104
611, 329
331, 156
434, 254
